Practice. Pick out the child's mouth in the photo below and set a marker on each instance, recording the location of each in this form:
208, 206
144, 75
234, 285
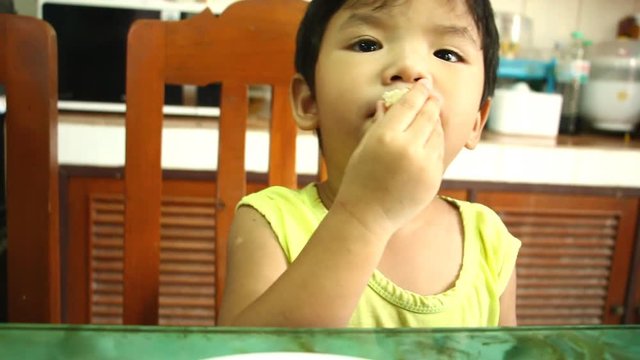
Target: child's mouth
393, 96
389, 98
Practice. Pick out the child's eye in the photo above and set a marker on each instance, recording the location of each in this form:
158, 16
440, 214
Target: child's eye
366, 45
448, 55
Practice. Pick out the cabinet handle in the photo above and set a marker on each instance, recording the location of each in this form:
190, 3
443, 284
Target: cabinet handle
617, 310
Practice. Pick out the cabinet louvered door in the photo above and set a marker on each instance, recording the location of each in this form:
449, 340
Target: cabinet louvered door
187, 261
573, 266
92, 277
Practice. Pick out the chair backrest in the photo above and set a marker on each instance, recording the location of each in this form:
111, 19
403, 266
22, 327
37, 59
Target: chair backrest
29, 72
251, 42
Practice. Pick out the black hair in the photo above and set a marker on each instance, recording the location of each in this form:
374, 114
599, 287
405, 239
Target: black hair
320, 12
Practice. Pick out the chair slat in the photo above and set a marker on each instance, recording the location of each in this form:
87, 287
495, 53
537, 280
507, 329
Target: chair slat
28, 53
231, 180
282, 140
143, 173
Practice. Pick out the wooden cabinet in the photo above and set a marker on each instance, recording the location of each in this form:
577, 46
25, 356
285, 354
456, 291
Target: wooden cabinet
92, 281
575, 266
93, 245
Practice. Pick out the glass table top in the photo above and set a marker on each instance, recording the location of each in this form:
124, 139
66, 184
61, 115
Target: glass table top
26, 341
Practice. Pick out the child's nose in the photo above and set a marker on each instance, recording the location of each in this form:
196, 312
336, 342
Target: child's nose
409, 67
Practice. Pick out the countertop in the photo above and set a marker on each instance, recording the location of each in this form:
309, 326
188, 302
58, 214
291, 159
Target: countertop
191, 144
20, 341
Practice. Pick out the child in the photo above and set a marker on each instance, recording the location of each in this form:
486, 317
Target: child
374, 246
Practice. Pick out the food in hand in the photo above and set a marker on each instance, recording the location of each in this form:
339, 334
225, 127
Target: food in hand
392, 96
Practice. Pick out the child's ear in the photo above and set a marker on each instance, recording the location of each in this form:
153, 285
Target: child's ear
479, 123
303, 103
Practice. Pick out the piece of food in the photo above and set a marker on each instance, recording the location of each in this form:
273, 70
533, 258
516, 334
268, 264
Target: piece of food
392, 96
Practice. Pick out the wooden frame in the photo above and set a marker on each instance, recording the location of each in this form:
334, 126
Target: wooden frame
251, 42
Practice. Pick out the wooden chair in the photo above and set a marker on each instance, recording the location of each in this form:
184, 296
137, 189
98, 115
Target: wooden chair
29, 70
251, 42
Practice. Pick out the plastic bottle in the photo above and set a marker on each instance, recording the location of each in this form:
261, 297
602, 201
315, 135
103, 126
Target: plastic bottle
572, 71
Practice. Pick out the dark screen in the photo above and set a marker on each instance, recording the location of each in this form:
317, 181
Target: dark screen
92, 45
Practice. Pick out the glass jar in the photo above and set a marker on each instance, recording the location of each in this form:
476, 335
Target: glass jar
611, 97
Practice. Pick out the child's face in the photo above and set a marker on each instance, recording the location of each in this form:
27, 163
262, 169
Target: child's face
365, 53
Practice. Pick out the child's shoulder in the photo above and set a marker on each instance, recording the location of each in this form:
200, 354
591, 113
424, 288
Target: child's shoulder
273, 192
283, 198
292, 214
476, 214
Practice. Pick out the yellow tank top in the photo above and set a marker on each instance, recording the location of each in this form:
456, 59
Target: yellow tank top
489, 256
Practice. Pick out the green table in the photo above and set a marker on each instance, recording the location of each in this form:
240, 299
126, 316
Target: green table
26, 341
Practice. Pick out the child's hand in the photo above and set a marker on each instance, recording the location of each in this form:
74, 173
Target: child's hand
397, 168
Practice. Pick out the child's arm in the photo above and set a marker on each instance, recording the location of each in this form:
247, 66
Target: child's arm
320, 289
393, 174
508, 303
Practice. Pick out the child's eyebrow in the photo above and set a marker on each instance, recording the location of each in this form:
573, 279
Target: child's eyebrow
359, 18
456, 31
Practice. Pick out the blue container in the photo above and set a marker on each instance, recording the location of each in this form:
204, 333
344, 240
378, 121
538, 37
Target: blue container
529, 70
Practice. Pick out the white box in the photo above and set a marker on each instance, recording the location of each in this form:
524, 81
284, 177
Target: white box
520, 111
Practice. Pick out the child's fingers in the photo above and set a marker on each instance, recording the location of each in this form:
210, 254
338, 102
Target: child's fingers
436, 138
425, 121
401, 114
380, 111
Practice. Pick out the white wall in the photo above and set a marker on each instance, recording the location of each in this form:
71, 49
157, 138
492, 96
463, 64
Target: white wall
554, 20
